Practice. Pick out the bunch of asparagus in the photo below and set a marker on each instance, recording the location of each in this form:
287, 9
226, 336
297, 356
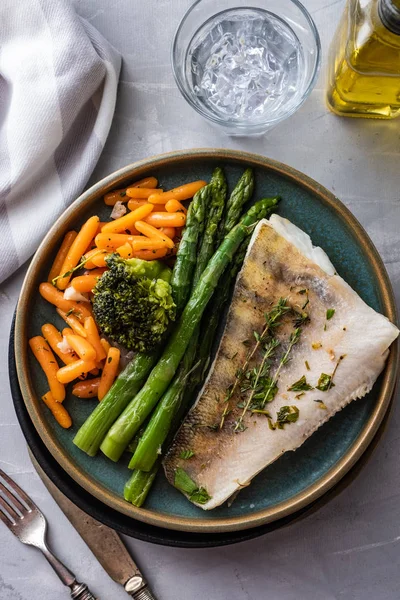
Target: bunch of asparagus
211, 252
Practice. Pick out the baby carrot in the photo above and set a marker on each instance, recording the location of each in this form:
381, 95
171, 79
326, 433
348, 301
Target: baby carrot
173, 206
86, 389
54, 337
150, 254
153, 233
106, 345
73, 322
144, 243
135, 192
74, 370
111, 241
58, 411
94, 338
100, 260
183, 192
79, 245
89, 264
47, 361
82, 347
85, 283
134, 204
116, 196
125, 251
109, 372
127, 221
168, 231
61, 254
147, 182
54, 296
160, 219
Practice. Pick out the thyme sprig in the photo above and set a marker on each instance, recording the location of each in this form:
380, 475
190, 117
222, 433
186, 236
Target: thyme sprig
272, 320
258, 380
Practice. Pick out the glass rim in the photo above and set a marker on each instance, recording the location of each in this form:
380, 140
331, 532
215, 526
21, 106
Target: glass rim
245, 125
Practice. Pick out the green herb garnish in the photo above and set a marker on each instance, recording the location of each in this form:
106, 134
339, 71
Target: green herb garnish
286, 414
300, 386
329, 313
186, 454
307, 365
324, 382
185, 484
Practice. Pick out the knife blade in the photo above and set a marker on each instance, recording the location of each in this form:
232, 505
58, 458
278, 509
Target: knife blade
103, 541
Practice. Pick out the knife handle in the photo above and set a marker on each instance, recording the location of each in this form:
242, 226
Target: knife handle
143, 594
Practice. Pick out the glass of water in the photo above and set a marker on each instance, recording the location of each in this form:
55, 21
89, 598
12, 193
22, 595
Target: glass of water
245, 65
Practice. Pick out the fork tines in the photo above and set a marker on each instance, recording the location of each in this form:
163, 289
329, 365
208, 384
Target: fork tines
14, 503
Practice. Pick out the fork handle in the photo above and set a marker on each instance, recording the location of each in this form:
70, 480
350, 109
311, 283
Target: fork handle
79, 591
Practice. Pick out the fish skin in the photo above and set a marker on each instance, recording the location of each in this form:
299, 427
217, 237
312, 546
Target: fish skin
274, 268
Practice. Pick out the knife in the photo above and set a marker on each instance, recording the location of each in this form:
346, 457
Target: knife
103, 541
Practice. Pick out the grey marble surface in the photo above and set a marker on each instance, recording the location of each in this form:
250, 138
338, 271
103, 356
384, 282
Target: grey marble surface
350, 548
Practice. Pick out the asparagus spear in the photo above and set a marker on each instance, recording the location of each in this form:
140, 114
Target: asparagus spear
182, 274
161, 420
161, 375
215, 209
91, 433
240, 195
139, 484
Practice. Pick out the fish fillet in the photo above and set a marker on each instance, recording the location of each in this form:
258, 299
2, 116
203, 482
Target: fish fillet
352, 345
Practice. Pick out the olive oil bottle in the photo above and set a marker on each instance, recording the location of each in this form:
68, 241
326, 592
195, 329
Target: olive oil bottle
364, 61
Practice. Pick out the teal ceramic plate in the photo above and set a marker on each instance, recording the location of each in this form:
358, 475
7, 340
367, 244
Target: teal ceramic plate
296, 479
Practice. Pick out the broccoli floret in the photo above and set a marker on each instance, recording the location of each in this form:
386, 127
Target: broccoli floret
132, 302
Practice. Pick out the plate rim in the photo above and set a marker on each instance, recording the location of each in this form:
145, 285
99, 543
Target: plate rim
267, 515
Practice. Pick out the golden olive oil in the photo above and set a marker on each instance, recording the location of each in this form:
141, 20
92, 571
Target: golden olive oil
364, 61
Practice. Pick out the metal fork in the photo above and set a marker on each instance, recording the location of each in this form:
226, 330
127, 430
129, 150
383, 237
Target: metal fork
21, 515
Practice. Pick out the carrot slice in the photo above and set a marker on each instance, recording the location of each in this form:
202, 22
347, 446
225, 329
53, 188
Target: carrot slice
58, 411
164, 219
54, 337
127, 221
93, 337
110, 372
74, 370
61, 254
45, 357
86, 389
79, 245
183, 192
54, 296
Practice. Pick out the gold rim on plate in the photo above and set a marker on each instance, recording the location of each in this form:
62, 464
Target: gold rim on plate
32, 402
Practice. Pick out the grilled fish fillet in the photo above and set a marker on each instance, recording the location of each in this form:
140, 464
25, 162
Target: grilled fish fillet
352, 346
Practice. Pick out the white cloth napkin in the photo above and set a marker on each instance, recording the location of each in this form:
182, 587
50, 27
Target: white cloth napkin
58, 84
